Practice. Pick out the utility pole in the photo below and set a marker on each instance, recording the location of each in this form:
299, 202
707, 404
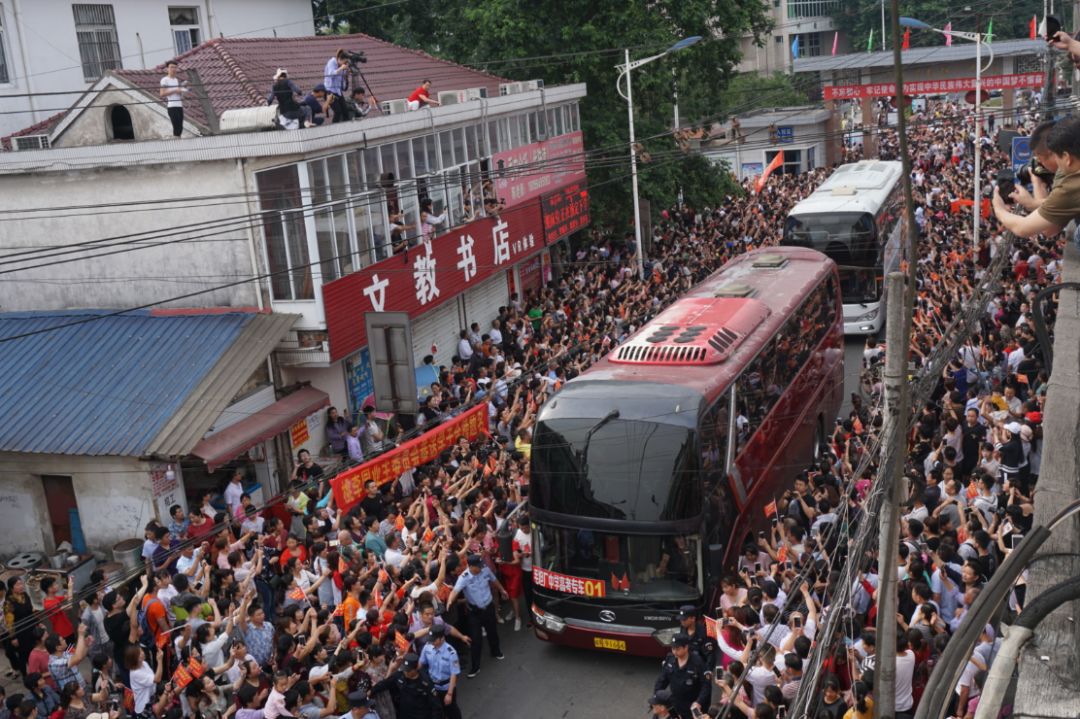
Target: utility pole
1075, 73
901, 292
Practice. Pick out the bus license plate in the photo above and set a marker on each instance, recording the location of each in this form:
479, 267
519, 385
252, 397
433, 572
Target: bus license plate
618, 645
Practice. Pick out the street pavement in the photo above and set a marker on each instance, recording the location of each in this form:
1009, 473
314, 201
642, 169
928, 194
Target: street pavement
538, 680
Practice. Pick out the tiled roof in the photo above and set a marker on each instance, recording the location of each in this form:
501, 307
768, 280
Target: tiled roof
40, 128
238, 72
959, 51
119, 385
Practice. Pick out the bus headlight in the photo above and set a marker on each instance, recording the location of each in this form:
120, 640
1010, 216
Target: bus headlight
666, 636
549, 621
872, 314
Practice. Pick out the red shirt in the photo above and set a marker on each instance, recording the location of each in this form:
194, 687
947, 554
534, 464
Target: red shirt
417, 93
199, 530
286, 555
60, 622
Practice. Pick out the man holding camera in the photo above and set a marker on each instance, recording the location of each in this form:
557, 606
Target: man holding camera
1062, 204
334, 78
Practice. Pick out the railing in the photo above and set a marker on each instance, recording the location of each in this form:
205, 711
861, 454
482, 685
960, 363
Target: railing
811, 8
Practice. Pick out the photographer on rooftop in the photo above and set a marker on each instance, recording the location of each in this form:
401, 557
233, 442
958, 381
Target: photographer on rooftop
335, 79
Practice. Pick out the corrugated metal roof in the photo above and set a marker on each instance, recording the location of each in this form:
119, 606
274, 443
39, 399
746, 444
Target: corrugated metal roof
960, 50
110, 385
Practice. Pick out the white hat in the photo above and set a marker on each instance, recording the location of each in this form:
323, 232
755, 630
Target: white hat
1013, 427
280, 71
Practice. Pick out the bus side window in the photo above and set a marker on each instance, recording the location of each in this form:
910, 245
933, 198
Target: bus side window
712, 442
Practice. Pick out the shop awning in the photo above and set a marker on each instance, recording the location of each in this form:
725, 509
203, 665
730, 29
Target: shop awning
234, 440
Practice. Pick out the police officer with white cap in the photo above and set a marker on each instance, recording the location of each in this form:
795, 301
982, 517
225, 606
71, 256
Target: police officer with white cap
413, 693
683, 674
441, 661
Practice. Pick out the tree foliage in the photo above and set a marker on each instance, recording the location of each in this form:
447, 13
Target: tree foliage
581, 41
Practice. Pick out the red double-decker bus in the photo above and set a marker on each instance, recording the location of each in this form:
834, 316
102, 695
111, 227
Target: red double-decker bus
651, 470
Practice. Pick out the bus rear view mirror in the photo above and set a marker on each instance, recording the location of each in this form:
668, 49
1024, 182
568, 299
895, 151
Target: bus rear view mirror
716, 559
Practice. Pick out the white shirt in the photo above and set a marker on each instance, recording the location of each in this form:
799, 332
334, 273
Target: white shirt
464, 349
524, 542
142, 684
213, 656
175, 99
232, 496
905, 672
759, 677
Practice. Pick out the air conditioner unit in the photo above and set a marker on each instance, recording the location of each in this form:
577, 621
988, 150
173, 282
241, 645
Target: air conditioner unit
394, 107
249, 119
475, 93
532, 85
509, 88
30, 142
450, 97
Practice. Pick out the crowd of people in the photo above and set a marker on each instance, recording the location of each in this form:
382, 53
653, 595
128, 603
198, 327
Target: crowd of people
302, 609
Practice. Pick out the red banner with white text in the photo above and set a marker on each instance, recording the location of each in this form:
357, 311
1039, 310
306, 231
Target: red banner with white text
531, 170
933, 87
349, 485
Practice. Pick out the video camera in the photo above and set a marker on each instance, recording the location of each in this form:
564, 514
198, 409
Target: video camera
355, 57
1024, 174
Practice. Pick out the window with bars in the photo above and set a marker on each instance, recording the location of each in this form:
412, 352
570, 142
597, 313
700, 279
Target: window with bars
99, 46
4, 77
184, 22
809, 44
811, 8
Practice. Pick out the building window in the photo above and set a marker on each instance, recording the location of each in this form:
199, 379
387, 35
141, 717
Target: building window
4, 78
812, 8
285, 234
120, 127
99, 47
184, 22
809, 44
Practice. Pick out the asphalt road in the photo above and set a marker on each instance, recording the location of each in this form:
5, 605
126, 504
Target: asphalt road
538, 680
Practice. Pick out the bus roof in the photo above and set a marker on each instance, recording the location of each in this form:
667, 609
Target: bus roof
856, 187
776, 291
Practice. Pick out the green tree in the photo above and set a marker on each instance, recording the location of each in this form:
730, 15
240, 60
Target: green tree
571, 41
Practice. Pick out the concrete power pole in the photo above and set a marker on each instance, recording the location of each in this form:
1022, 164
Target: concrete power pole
901, 296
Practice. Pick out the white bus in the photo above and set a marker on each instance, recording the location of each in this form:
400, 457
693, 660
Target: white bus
854, 217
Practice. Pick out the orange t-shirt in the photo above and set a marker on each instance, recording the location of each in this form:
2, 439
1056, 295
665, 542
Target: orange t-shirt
155, 611
350, 606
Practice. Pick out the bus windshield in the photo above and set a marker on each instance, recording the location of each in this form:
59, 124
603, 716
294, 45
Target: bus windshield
846, 237
657, 568
617, 469
858, 286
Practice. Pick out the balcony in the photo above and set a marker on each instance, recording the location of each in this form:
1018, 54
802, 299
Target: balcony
803, 9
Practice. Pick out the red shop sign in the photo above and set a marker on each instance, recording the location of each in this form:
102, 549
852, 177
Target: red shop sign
531, 170
429, 274
933, 87
565, 211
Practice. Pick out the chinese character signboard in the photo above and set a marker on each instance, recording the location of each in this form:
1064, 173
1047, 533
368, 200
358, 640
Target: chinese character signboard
530, 171
1021, 152
933, 87
565, 211
299, 433
425, 276
567, 584
785, 133
359, 379
349, 485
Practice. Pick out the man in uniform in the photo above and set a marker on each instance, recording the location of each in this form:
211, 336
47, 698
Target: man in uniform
683, 674
360, 707
700, 642
441, 661
660, 704
477, 584
414, 694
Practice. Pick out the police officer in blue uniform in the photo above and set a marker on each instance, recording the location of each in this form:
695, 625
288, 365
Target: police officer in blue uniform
476, 584
683, 674
413, 693
441, 661
700, 642
661, 706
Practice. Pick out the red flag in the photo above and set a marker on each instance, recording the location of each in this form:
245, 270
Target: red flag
781, 556
401, 642
1032, 27
907, 40
776, 162
770, 509
710, 627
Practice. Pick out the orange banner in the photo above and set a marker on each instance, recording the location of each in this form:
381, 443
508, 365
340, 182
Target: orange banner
776, 162
349, 485
299, 433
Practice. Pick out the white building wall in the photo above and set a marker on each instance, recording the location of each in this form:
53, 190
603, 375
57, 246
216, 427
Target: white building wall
43, 51
220, 254
113, 494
